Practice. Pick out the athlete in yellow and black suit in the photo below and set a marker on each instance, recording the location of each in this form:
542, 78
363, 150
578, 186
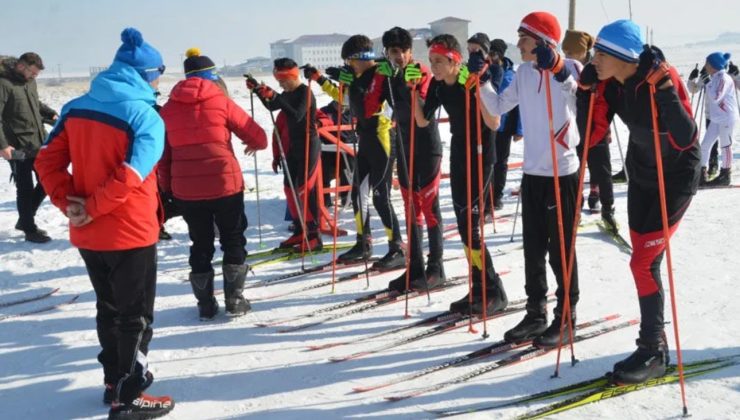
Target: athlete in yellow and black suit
376, 154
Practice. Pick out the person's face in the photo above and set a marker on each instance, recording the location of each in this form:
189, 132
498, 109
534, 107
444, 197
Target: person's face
289, 85
399, 57
526, 45
710, 70
29, 72
442, 67
473, 47
155, 84
607, 66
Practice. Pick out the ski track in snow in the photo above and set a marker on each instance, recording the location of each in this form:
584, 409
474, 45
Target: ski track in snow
232, 369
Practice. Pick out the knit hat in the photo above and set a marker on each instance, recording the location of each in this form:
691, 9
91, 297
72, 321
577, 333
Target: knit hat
541, 25
481, 40
139, 54
577, 42
621, 39
197, 65
718, 60
498, 46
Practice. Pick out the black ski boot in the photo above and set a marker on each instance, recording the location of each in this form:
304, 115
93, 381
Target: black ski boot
549, 338
395, 258
713, 165
722, 180
202, 284
109, 395
703, 180
647, 362
533, 324
416, 279
234, 277
593, 202
361, 251
619, 178
496, 299
607, 216
435, 273
143, 407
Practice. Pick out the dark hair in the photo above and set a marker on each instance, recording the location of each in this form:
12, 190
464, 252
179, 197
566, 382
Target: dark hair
481, 40
285, 63
449, 41
32, 59
356, 44
397, 37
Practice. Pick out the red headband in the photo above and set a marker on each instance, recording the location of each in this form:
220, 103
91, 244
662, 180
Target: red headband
449, 53
286, 74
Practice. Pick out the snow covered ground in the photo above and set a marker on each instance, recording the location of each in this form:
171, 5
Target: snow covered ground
232, 369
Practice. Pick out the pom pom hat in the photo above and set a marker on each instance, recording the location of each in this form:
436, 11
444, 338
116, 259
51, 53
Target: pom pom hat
197, 65
718, 60
138, 54
621, 39
542, 26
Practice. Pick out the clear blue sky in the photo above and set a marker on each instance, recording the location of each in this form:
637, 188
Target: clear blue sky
81, 33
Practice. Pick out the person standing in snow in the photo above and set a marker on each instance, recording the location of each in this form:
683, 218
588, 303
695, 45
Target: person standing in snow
697, 82
539, 34
721, 100
627, 70
293, 103
22, 118
200, 170
113, 138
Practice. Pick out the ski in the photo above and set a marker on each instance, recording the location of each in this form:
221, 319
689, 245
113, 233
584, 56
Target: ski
391, 298
31, 298
498, 347
320, 268
579, 387
41, 309
718, 187
446, 316
609, 391
521, 356
621, 242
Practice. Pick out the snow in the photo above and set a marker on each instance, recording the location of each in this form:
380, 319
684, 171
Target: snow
231, 369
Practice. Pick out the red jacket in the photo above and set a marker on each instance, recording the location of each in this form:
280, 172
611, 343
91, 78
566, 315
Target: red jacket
199, 162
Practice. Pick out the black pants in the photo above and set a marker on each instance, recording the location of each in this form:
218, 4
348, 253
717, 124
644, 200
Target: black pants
125, 285
541, 237
29, 195
646, 233
600, 171
228, 214
501, 169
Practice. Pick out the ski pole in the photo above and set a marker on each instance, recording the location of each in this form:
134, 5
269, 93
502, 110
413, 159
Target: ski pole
619, 145
306, 190
696, 67
577, 218
516, 212
256, 178
469, 210
336, 187
481, 204
667, 239
566, 315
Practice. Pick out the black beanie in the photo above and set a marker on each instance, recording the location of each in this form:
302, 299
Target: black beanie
498, 46
195, 64
481, 39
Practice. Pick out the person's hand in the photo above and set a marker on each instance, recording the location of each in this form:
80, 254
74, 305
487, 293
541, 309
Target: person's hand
311, 73
588, 76
549, 60
7, 153
76, 212
476, 62
265, 92
694, 73
276, 165
384, 67
252, 83
704, 75
517, 137
412, 74
732, 70
653, 67
249, 151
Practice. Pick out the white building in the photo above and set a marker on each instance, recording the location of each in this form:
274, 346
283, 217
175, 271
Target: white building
320, 51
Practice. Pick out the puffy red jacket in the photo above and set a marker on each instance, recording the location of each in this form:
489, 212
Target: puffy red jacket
199, 162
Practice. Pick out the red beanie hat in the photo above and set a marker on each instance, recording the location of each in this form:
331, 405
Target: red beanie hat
541, 25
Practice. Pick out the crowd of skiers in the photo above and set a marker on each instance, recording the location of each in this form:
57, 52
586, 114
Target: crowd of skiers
562, 106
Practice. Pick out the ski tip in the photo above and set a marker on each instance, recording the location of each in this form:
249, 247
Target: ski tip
396, 398
337, 359
361, 389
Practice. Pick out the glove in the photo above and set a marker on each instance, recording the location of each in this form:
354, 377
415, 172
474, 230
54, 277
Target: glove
733, 70
476, 62
549, 59
704, 76
463, 76
412, 74
251, 82
650, 58
588, 77
694, 73
311, 73
385, 67
265, 92
342, 74
276, 165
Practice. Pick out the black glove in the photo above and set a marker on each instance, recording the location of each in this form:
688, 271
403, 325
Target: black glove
650, 58
588, 76
342, 74
549, 59
704, 76
311, 73
732, 70
694, 73
276, 165
252, 83
476, 62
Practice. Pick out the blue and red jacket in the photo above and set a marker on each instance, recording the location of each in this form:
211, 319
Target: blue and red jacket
113, 138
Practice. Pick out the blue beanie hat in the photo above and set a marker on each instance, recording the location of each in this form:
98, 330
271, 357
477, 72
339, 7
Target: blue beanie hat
621, 39
718, 60
139, 54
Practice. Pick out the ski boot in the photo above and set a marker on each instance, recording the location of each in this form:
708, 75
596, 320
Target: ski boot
361, 251
496, 297
202, 284
619, 178
533, 324
648, 361
143, 407
722, 180
109, 395
593, 201
395, 258
607, 216
549, 338
703, 180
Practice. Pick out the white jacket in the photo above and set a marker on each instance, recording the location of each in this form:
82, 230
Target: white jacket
528, 91
721, 98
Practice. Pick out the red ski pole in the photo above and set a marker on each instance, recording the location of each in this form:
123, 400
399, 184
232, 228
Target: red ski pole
305, 173
336, 187
667, 239
410, 200
469, 181
481, 206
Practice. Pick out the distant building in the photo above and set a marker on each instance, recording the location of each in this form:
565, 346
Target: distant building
454, 26
255, 65
95, 70
319, 50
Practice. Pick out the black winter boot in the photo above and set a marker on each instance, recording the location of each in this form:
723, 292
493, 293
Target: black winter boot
722, 180
647, 362
435, 273
361, 251
416, 280
234, 277
395, 258
202, 284
593, 201
533, 324
620, 177
549, 338
607, 215
496, 299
